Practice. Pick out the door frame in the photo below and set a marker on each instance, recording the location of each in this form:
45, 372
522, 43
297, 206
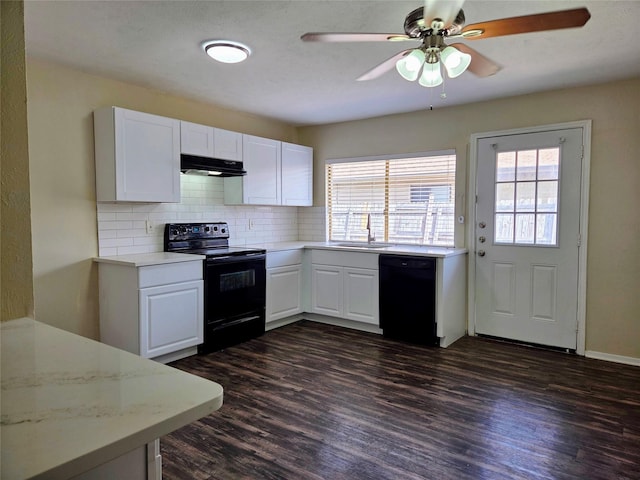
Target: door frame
584, 219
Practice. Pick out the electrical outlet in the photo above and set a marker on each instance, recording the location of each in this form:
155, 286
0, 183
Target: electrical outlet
251, 224
149, 226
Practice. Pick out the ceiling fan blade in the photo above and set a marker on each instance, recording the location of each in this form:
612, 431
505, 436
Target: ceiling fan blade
354, 37
384, 67
527, 23
445, 10
480, 65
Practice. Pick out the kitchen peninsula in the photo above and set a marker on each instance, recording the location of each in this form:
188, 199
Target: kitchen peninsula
73, 407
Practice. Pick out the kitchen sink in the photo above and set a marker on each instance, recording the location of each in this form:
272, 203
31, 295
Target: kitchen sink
362, 245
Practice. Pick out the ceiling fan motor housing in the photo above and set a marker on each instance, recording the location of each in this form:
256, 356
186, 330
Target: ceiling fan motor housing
415, 27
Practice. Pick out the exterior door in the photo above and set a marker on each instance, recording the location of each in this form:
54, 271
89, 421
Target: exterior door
527, 236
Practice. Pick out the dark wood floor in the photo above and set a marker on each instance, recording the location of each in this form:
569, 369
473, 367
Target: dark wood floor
311, 401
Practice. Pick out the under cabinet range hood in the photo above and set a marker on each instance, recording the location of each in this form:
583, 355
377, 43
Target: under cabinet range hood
195, 165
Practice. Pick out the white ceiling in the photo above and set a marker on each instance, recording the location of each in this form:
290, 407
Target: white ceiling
157, 44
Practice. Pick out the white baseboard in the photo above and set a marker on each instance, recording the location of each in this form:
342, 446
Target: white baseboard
609, 357
283, 321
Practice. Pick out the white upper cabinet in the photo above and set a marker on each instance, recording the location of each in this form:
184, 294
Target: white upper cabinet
196, 139
278, 173
227, 145
137, 156
297, 175
262, 161
204, 141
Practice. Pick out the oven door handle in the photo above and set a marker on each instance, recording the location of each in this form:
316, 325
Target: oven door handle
211, 260
236, 258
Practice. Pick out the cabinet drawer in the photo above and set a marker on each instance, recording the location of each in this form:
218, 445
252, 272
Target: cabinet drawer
284, 258
345, 259
155, 275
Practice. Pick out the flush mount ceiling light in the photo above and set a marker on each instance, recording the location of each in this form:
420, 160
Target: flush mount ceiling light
226, 51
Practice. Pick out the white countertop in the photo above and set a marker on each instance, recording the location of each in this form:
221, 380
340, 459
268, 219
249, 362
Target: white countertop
390, 249
146, 259
70, 403
159, 258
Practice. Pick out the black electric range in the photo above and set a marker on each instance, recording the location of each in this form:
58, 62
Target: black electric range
234, 282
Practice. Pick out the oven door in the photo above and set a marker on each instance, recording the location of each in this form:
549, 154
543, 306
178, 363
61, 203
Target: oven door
235, 288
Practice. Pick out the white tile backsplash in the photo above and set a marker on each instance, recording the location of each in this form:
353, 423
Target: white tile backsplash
122, 226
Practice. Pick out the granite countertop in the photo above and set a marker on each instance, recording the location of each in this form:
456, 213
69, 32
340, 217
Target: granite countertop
146, 259
70, 403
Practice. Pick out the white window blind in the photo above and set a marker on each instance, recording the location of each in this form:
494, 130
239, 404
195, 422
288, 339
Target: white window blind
410, 200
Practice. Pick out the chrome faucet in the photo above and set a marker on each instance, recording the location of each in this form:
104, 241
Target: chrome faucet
370, 236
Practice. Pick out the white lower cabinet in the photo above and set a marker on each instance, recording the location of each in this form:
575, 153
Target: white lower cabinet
284, 284
170, 318
361, 295
326, 290
155, 311
284, 288
349, 292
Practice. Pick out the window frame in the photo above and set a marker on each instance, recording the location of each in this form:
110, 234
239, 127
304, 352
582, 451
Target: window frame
388, 157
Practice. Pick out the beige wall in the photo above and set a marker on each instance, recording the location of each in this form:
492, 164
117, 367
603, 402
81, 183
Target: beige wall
64, 224
613, 300
15, 247
63, 196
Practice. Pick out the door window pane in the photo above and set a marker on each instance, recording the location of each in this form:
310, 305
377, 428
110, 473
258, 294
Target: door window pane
525, 224
504, 228
548, 196
549, 163
504, 197
525, 196
506, 167
546, 226
527, 165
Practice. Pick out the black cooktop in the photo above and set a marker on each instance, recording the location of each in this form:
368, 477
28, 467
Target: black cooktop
210, 239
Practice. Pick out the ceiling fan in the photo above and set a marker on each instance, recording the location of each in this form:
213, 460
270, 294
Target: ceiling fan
441, 20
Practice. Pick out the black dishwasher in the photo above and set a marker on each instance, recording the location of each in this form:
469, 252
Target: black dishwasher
408, 298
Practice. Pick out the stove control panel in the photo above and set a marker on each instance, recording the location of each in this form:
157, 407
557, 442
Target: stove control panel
192, 231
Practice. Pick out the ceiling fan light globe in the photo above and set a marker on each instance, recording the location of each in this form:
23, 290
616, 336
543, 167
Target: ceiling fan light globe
431, 76
409, 66
455, 61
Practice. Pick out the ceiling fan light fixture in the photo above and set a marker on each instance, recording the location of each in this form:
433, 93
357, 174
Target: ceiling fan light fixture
226, 51
409, 66
431, 76
455, 61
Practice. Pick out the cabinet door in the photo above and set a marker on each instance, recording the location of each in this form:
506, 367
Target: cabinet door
297, 175
361, 295
326, 290
227, 145
261, 185
284, 289
147, 157
171, 318
196, 139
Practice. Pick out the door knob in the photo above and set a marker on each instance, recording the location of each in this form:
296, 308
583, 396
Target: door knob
481, 253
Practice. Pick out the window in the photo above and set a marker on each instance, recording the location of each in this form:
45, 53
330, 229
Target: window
526, 205
410, 200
